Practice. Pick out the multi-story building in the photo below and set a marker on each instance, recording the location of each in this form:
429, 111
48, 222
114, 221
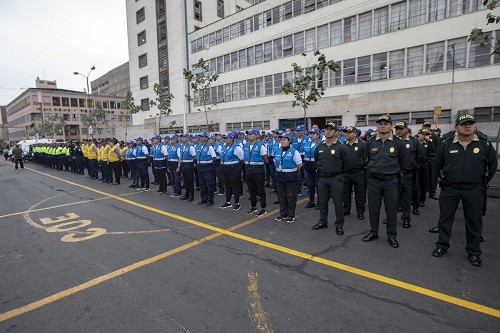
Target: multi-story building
4, 134
26, 112
407, 58
116, 82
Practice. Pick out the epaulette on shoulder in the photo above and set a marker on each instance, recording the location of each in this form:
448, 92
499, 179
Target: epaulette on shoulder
448, 135
482, 135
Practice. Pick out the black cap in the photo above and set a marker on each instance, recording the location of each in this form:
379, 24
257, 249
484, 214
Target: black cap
401, 124
464, 117
384, 117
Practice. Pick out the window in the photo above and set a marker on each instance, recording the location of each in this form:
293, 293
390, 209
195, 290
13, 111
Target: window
226, 34
287, 11
162, 32
482, 115
227, 63
81, 102
437, 10
143, 82
398, 16
309, 5
297, 8
288, 46
227, 92
276, 15
233, 31
145, 104
350, 32
349, 71
251, 56
459, 7
160, 7
361, 120
479, 54
141, 38
257, 22
421, 117
220, 8
268, 51
218, 37
278, 83
251, 88
322, 35
435, 57
321, 3
365, 25
278, 48
416, 15
298, 44
105, 105
334, 78
65, 101
235, 88
259, 87
415, 60
163, 56
242, 58
234, 61
288, 76
379, 66
336, 33
268, 82
496, 57
380, 21
477, 5
243, 89
74, 102
140, 16
248, 25
268, 18
143, 60
396, 63
198, 10
364, 67
457, 53
241, 28
220, 93
310, 40
220, 65
56, 101
259, 54
496, 113
112, 104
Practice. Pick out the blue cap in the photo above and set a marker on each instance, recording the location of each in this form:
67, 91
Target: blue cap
253, 131
269, 135
230, 135
174, 137
130, 142
184, 135
157, 137
322, 130
212, 137
358, 132
286, 135
166, 137
276, 130
139, 139
314, 130
203, 134
299, 128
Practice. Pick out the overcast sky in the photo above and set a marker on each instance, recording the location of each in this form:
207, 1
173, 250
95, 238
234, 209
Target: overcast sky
52, 39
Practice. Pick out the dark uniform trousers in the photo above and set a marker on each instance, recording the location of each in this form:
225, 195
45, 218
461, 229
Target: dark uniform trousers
142, 172
188, 169
331, 187
207, 182
231, 173
125, 168
92, 165
132, 164
272, 172
255, 176
156, 175
423, 180
406, 189
218, 175
388, 189
472, 201
117, 170
175, 176
286, 185
162, 178
358, 181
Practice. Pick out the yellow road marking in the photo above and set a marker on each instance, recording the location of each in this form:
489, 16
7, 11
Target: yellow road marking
330, 263
257, 315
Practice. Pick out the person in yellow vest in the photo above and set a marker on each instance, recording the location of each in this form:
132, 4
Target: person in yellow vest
123, 162
85, 147
102, 154
92, 159
114, 158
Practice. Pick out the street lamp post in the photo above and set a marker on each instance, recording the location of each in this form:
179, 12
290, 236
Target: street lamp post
88, 89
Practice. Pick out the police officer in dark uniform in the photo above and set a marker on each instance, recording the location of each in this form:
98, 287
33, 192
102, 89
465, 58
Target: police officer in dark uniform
409, 181
432, 181
331, 157
354, 173
428, 150
465, 163
385, 159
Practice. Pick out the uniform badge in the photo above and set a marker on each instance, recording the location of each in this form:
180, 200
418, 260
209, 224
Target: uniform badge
355, 148
425, 146
476, 150
332, 151
374, 149
453, 151
320, 151
391, 150
407, 146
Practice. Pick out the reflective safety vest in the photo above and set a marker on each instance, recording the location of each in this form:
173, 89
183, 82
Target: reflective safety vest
172, 153
309, 149
112, 156
85, 149
252, 156
91, 154
227, 155
102, 153
284, 160
123, 152
185, 155
131, 154
203, 157
139, 153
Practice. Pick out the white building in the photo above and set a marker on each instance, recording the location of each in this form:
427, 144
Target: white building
402, 57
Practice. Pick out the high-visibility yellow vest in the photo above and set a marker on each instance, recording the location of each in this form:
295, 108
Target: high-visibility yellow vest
102, 153
112, 157
84, 148
123, 152
91, 154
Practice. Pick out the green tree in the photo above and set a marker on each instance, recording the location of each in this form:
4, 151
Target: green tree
304, 85
95, 118
483, 37
163, 102
200, 81
54, 125
129, 108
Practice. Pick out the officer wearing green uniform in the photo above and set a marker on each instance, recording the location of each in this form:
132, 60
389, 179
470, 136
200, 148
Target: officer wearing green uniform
465, 163
385, 159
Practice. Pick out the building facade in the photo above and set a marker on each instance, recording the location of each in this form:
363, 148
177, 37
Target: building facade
406, 58
25, 113
116, 82
4, 134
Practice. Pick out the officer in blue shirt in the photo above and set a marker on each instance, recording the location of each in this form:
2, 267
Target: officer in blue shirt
255, 155
173, 163
298, 142
195, 141
142, 157
159, 155
166, 142
132, 163
310, 166
205, 161
231, 161
187, 166
217, 147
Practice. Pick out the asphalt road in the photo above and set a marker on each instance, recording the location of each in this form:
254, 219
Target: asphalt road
77, 255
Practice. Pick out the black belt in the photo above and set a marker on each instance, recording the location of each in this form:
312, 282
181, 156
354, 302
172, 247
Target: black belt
382, 177
328, 174
462, 186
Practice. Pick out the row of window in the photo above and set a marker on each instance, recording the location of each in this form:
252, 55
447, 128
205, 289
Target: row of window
81, 102
260, 21
428, 58
365, 25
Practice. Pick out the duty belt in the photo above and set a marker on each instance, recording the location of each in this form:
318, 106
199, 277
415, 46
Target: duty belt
383, 177
328, 174
462, 186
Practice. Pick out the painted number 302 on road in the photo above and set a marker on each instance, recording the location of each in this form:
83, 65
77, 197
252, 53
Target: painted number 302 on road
70, 222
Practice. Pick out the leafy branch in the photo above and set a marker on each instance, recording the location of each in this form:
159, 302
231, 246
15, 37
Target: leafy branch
483, 37
163, 102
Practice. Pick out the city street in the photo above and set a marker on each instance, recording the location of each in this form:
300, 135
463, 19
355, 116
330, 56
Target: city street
77, 255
